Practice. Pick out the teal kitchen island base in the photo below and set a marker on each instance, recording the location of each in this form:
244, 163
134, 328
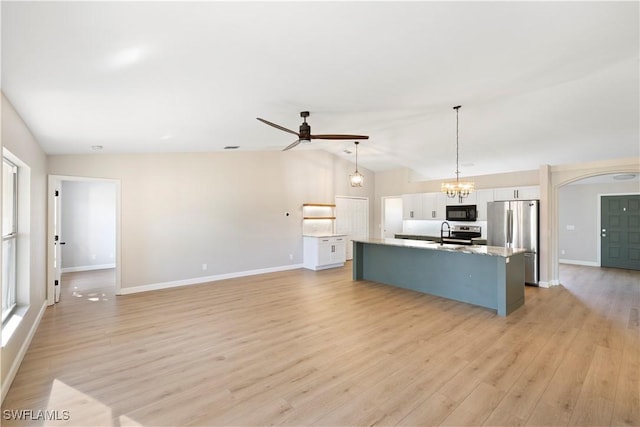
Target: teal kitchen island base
487, 276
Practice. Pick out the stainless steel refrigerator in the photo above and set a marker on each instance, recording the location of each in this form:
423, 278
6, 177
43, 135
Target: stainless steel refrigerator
515, 224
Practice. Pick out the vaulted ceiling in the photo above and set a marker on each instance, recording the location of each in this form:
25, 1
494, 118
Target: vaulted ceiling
539, 82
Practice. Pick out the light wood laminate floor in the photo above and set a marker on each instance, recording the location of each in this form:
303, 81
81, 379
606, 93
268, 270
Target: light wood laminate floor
315, 348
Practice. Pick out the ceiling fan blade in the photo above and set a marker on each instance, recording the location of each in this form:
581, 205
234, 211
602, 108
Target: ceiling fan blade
290, 146
339, 136
278, 126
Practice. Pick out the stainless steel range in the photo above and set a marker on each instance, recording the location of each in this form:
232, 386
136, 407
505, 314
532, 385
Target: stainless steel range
462, 234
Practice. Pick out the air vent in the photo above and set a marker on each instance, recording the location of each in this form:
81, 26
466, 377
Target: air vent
624, 176
231, 147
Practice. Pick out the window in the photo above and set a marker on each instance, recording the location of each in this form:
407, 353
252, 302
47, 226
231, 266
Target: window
9, 236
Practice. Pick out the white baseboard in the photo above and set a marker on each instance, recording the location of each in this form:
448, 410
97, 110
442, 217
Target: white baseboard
205, 279
549, 284
578, 262
87, 268
13, 370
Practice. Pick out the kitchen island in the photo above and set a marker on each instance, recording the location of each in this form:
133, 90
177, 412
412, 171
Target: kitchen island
486, 276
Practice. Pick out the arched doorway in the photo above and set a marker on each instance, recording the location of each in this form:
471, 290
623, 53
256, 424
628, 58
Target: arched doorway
554, 177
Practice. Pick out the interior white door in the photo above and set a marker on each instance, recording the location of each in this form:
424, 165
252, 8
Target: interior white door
54, 270
352, 219
392, 208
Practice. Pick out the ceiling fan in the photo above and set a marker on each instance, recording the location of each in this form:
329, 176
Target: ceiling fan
305, 132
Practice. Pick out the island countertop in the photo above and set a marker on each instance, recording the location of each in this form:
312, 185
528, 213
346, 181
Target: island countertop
498, 251
487, 276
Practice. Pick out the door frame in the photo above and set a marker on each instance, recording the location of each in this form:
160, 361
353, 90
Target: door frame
599, 221
55, 181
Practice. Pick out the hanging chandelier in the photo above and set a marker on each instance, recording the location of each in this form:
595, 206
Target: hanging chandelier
356, 179
457, 188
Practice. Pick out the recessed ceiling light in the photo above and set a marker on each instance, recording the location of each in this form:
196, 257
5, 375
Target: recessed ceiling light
97, 147
231, 147
624, 176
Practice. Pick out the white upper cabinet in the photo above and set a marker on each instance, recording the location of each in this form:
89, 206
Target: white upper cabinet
430, 206
469, 200
413, 206
517, 193
482, 198
433, 206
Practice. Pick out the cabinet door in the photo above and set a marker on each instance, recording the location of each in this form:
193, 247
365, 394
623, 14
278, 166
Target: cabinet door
441, 206
469, 200
506, 193
408, 210
482, 198
325, 251
412, 206
517, 193
529, 193
339, 250
430, 206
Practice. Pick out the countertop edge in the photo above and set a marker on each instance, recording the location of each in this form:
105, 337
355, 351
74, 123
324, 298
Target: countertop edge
465, 249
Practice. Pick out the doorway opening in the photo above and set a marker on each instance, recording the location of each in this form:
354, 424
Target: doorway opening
83, 238
584, 216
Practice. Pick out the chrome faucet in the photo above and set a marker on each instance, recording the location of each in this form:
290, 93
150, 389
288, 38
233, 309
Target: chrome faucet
442, 231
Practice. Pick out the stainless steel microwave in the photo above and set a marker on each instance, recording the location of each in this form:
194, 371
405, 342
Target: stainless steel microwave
462, 212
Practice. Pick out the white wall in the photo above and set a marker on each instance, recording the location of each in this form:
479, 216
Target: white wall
88, 225
224, 209
578, 219
19, 141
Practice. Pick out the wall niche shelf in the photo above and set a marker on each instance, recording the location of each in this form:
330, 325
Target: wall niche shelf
318, 211
318, 217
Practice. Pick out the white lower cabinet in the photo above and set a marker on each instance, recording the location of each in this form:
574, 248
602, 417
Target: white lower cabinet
322, 252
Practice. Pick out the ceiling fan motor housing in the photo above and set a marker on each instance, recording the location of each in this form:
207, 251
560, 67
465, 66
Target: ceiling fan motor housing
305, 132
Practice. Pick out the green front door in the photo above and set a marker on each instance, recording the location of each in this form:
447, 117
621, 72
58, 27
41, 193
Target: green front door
620, 232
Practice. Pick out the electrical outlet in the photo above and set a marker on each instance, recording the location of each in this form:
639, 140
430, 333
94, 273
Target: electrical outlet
291, 257
204, 267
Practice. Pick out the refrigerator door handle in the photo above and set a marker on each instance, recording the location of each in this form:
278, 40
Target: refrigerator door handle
509, 227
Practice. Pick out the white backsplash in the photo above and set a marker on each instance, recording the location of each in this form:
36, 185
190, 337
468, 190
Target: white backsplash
317, 227
432, 228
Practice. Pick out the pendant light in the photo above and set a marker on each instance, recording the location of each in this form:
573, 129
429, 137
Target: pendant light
460, 189
356, 179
